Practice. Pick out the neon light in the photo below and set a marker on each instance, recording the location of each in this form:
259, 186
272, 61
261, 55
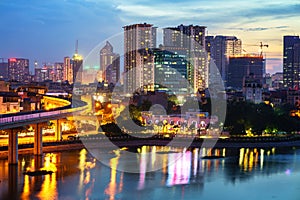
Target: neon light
13, 60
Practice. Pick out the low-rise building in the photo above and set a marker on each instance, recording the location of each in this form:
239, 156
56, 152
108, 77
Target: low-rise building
9, 102
253, 89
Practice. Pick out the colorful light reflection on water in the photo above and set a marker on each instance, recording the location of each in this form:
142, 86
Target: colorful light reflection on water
243, 173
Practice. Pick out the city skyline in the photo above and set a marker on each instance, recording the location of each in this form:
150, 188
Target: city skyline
47, 31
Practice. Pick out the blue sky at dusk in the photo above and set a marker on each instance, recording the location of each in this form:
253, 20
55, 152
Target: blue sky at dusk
46, 31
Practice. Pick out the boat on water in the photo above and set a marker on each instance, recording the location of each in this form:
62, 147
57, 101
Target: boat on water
38, 172
212, 157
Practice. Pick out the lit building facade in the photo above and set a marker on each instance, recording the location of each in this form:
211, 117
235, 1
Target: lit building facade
291, 61
4, 86
9, 102
192, 38
41, 74
138, 62
18, 69
49, 72
242, 66
170, 71
109, 64
58, 70
68, 71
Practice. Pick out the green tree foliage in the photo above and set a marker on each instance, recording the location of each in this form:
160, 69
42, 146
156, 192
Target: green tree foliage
242, 116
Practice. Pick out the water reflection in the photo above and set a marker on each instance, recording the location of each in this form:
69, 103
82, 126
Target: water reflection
77, 175
112, 189
45, 187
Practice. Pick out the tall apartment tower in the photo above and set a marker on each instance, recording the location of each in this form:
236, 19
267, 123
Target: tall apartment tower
18, 69
58, 72
221, 48
138, 62
291, 61
192, 39
67, 70
109, 64
72, 68
77, 68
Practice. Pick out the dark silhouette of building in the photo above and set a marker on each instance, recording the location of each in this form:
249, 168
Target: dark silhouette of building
3, 69
291, 61
241, 66
252, 89
220, 48
77, 67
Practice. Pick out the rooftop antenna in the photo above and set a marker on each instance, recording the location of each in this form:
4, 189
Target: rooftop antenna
76, 47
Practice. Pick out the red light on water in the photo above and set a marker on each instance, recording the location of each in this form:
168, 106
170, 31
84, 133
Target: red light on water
12, 60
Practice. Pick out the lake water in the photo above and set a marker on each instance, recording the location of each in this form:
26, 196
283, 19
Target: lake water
242, 174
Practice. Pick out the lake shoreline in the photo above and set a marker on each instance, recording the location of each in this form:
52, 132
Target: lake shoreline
104, 142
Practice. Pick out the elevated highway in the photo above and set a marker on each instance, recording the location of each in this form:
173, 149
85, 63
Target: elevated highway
56, 109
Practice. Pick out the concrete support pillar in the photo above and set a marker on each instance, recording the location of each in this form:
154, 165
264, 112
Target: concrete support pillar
58, 130
13, 182
12, 147
38, 162
38, 140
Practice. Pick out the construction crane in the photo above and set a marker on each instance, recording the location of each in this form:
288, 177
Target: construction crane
261, 46
76, 47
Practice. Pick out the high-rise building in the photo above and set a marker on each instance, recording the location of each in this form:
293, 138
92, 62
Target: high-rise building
3, 69
181, 36
221, 48
77, 67
242, 66
109, 64
68, 71
49, 72
191, 38
170, 71
72, 67
41, 74
209, 41
18, 69
291, 61
138, 62
58, 72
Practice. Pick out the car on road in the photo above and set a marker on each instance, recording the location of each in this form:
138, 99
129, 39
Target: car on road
73, 137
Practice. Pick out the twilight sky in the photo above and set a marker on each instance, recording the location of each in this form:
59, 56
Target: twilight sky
46, 31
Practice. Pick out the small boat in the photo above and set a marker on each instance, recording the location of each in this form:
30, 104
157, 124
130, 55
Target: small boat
212, 157
166, 152
38, 173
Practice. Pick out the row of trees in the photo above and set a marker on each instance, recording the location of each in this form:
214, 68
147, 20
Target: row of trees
241, 117
259, 118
